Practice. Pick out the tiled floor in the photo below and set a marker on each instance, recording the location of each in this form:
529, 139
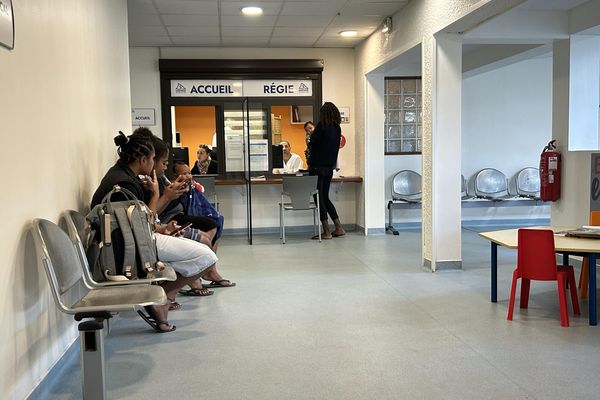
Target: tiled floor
353, 318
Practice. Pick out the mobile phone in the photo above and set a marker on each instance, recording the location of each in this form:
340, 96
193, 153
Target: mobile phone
181, 228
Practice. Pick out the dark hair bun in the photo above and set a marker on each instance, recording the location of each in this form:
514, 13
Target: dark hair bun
121, 139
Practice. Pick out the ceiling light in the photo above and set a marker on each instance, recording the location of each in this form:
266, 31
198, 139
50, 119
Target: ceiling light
387, 25
348, 33
252, 11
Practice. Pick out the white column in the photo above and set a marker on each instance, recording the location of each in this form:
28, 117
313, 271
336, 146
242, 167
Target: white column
573, 207
442, 87
374, 182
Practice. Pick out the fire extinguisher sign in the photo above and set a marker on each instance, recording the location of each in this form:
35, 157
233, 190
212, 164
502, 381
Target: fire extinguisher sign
595, 183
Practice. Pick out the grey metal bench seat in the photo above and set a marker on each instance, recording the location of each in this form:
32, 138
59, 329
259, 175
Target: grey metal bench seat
490, 184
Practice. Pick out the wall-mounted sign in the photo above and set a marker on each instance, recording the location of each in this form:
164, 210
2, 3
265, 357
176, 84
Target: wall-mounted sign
595, 183
206, 88
345, 114
277, 88
247, 88
142, 116
7, 24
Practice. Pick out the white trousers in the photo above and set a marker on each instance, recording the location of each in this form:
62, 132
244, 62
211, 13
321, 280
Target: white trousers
187, 257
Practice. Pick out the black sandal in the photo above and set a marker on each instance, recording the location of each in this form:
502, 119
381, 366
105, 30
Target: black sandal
153, 321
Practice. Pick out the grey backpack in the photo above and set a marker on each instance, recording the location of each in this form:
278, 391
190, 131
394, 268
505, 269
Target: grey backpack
124, 246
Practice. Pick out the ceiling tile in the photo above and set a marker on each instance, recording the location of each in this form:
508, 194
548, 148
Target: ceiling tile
190, 20
235, 7
140, 7
338, 42
151, 31
310, 8
249, 31
193, 30
246, 41
315, 21
187, 7
196, 40
231, 20
299, 32
291, 41
150, 41
343, 21
381, 8
144, 19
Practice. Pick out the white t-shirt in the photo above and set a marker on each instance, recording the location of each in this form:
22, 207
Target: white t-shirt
291, 166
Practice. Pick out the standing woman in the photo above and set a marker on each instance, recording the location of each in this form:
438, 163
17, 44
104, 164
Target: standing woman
324, 148
204, 165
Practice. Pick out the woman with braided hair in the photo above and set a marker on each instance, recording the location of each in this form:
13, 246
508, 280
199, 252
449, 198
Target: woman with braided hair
188, 258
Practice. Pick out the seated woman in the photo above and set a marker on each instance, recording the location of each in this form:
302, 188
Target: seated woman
170, 208
204, 165
188, 258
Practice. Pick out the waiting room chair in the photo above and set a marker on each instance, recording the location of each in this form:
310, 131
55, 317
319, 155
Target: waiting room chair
74, 296
536, 260
585, 266
210, 192
406, 186
300, 190
464, 194
491, 184
78, 229
527, 183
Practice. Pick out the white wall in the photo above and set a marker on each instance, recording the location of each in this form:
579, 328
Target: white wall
338, 87
338, 79
506, 122
65, 93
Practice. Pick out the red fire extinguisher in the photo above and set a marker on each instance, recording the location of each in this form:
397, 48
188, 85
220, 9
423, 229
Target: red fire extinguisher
550, 173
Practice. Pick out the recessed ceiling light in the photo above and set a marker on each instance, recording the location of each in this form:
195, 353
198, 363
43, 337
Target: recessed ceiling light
348, 33
252, 11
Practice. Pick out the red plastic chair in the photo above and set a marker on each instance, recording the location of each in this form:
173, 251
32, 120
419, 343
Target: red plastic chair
536, 260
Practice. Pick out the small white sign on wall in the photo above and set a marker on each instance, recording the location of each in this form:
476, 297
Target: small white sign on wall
345, 114
7, 24
142, 116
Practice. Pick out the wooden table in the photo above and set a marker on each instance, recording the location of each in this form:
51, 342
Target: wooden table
564, 245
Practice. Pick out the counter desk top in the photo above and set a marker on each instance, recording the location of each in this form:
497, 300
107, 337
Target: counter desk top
277, 181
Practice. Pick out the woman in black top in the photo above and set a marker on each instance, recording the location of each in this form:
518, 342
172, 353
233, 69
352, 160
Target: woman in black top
204, 165
324, 148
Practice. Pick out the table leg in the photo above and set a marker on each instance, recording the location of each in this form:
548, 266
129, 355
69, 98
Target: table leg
592, 280
494, 277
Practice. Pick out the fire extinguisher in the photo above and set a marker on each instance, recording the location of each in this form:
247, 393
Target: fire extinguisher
550, 173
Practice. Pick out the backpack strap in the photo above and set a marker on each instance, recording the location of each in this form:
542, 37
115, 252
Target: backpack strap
144, 239
129, 268
106, 254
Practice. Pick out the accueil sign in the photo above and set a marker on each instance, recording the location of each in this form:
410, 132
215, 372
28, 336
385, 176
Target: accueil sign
239, 88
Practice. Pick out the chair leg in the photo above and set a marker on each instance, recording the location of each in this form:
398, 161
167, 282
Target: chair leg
511, 300
574, 299
283, 224
280, 222
583, 278
525, 284
562, 301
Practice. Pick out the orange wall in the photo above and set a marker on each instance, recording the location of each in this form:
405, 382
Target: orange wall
293, 133
196, 125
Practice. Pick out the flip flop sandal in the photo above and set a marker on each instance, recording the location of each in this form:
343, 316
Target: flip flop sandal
316, 237
197, 292
154, 323
218, 284
174, 306
338, 234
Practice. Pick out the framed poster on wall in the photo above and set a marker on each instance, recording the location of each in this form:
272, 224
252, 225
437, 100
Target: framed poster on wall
7, 24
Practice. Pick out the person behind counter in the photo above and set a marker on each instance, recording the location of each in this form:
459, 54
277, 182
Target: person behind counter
204, 165
324, 148
291, 161
309, 128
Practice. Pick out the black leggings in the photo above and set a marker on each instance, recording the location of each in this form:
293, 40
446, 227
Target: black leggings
324, 175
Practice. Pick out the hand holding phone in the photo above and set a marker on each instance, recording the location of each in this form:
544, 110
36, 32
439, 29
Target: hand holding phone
181, 229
